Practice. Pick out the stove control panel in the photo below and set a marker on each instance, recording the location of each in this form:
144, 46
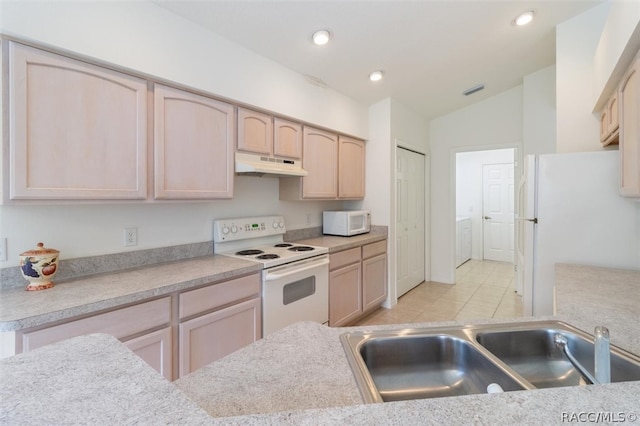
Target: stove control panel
247, 227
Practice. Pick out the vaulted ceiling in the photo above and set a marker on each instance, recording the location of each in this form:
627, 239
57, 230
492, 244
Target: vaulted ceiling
430, 51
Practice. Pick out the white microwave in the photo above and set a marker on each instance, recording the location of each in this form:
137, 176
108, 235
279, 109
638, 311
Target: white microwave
346, 223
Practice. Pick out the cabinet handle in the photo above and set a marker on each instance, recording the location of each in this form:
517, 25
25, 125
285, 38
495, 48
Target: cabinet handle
487, 217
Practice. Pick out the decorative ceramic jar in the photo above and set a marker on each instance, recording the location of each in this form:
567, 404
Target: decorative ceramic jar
38, 266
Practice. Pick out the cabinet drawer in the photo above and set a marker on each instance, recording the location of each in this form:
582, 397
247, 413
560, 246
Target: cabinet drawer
374, 249
342, 258
217, 295
120, 323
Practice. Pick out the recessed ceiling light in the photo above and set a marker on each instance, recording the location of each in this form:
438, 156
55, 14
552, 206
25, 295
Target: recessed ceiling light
376, 75
524, 18
321, 37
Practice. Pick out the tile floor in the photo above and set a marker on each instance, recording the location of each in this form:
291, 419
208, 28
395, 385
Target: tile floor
483, 289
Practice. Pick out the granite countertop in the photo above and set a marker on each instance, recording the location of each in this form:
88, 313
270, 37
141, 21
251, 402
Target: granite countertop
69, 298
584, 294
300, 375
92, 380
336, 243
297, 375
22, 309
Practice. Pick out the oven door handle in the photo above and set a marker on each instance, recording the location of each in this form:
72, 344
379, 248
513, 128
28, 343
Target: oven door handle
271, 276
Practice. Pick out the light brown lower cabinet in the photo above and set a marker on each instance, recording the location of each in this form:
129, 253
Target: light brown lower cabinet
357, 282
210, 337
212, 321
155, 348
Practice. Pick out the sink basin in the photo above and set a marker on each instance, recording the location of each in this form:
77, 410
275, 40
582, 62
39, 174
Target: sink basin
534, 355
429, 366
394, 365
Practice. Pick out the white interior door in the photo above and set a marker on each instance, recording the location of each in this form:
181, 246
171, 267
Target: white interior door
498, 212
410, 229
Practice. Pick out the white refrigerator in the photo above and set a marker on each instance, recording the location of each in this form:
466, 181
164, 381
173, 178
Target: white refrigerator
570, 211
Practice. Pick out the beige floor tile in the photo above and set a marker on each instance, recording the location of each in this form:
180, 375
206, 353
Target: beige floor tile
483, 289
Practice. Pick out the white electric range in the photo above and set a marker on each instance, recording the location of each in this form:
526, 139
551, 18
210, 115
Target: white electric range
295, 278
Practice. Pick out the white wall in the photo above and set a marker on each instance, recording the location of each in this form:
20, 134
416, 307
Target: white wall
469, 189
578, 129
143, 37
539, 112
491, 124
389, 122
622, 21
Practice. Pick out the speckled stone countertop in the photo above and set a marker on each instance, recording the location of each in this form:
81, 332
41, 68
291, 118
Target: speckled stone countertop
22, 309
335, 243
299, 375
90, 380
593, 296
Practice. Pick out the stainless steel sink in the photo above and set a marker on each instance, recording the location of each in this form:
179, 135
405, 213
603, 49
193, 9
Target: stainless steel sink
534, 355
429, 366
450, 361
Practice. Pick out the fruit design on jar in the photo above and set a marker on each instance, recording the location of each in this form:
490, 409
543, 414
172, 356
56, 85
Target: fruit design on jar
38, 266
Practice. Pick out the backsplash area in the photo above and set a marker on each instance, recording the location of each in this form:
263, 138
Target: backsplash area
81, 267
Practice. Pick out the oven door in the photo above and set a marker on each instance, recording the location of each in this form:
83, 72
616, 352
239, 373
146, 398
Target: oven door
298, 291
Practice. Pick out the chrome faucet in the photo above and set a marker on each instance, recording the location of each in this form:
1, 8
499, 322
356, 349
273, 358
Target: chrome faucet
601, 356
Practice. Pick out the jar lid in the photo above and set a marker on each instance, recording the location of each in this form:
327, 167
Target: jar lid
39, 251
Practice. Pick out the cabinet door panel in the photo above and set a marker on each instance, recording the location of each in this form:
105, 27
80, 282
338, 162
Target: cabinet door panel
210, 337
193, 146
629, 98
351, 168
255, 132
345, 295
320, 159
119, 323
374, 281
155, 349
76, 131
287, 141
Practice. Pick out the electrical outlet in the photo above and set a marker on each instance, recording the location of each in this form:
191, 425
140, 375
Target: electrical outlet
3, 249
308, 217
130, 237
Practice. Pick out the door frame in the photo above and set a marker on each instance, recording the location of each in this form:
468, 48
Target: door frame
392, 299
517, 167
425, 210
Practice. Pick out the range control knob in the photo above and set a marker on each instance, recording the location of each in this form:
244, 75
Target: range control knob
281, 225
275, 225
225, 229
234, 229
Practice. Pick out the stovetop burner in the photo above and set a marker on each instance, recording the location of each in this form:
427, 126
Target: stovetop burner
251, 252
301, 248
268, 256
283, 245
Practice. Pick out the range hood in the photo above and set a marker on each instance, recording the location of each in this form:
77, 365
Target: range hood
262, 165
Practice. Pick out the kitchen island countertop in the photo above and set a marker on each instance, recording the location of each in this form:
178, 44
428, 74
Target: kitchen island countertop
297, 375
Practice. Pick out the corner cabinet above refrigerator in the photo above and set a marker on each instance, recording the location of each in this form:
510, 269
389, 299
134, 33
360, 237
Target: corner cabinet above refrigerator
571, 212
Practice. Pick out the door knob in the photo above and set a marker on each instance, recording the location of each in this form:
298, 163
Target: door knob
487, 217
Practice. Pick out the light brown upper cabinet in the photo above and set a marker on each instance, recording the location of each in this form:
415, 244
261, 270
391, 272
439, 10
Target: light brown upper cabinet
287, 139
255, 132
76, 131
629, 98
263, 134
193, 146
351, 159
336, 166
609, 121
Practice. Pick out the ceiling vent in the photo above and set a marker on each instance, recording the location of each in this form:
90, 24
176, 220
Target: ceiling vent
473, 89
